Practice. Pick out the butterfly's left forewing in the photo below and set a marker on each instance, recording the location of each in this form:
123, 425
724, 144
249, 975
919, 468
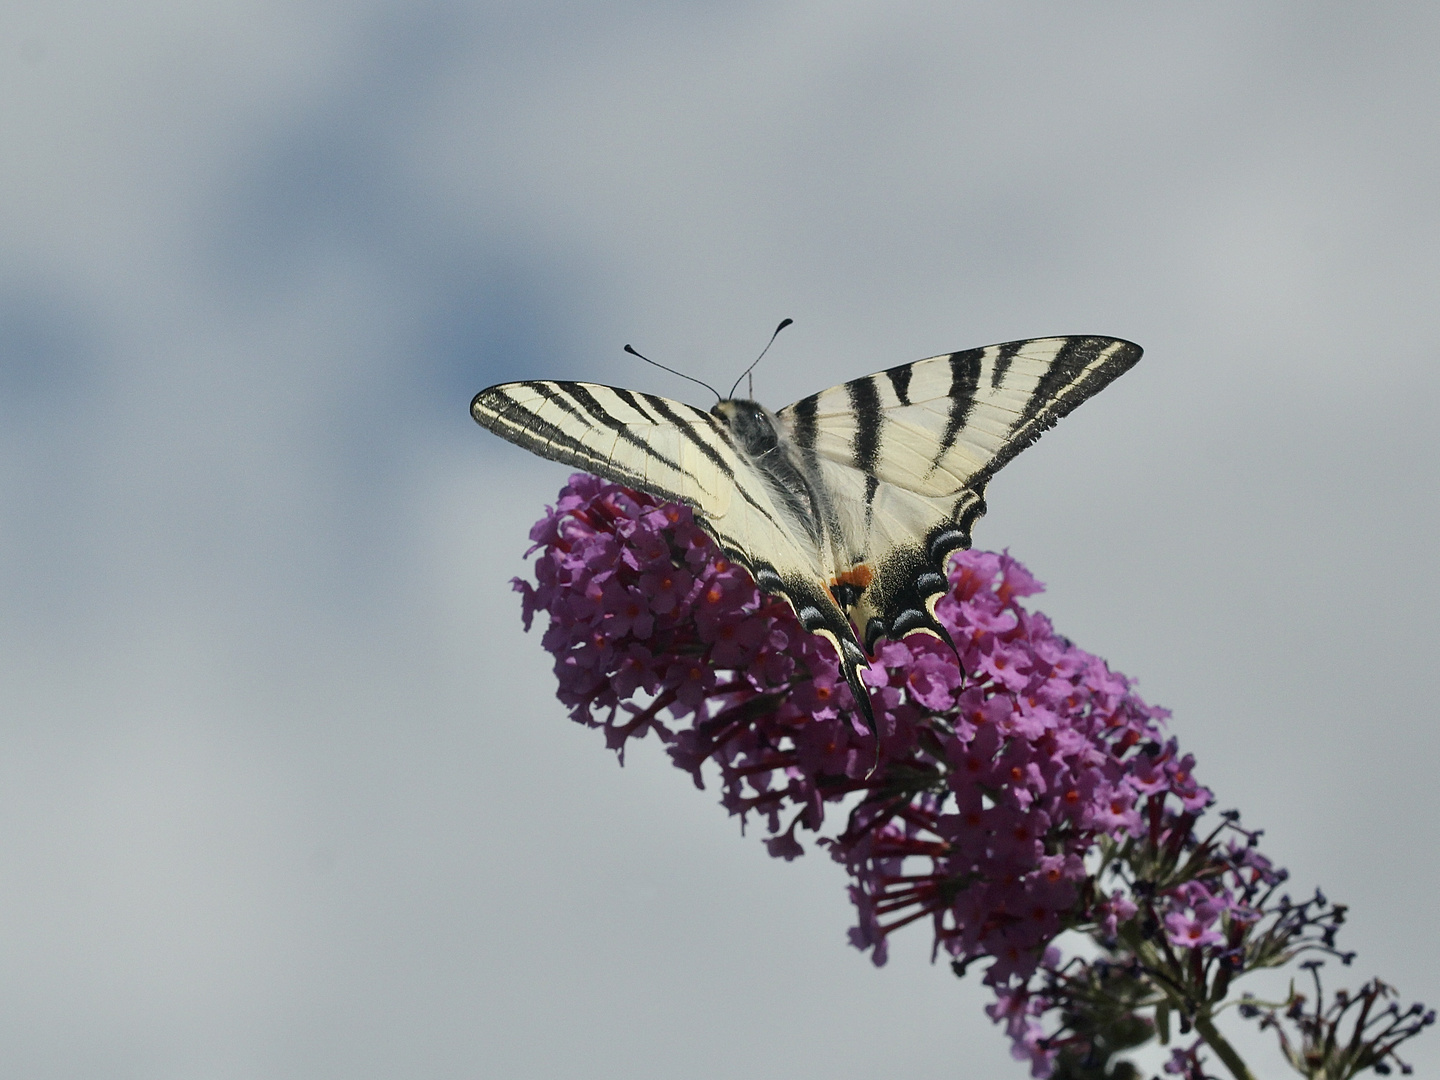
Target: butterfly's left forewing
664, 447
675, 451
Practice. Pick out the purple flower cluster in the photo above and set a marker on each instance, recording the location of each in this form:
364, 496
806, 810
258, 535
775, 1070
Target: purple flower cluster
650, 624
1181, 918
1022, 787
997, 772
1044, 750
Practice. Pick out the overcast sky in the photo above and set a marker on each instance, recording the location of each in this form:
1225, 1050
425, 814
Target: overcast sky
284, 791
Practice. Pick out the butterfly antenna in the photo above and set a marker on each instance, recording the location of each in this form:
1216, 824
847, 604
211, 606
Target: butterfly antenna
672, 371
783, 323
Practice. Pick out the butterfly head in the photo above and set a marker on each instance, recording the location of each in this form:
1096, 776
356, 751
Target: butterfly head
750, 422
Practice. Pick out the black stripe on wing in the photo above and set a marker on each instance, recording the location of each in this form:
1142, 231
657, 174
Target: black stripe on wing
900, 382
1004, 357
496, 408
872, 485
690, 430
686, 427
865, 400
964, 381
517, 422
586, 400
804, 428
575, 437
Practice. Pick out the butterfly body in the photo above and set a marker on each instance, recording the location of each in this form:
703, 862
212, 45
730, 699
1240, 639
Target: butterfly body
849, 502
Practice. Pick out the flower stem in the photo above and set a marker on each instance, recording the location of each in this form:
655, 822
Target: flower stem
1217, 1042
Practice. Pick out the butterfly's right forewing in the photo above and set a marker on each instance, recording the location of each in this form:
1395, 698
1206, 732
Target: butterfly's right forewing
950, 422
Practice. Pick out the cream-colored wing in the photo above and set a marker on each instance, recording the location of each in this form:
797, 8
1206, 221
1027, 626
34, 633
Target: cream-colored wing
938, 425
674, 451
667, 448
907, 453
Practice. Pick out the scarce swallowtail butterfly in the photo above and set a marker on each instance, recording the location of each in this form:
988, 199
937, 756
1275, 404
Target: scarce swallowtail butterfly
847, 503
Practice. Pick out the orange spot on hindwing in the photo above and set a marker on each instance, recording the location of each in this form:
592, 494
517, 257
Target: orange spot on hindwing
848, 586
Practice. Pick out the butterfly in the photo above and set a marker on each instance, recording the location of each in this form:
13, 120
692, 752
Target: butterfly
847, 503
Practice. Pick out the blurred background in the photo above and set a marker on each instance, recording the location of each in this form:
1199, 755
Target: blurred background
284, 791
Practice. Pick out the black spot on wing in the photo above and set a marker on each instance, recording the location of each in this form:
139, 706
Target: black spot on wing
914, 575
768, 580
811, 618
954, 535
909, 620
910, 581
875, 629
865, 400
929, 583
947, 540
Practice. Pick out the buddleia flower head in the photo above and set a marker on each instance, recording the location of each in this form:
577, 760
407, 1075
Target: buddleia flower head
1022, 786
1000, 760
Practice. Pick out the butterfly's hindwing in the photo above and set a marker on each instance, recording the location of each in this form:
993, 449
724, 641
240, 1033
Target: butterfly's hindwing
847, 503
